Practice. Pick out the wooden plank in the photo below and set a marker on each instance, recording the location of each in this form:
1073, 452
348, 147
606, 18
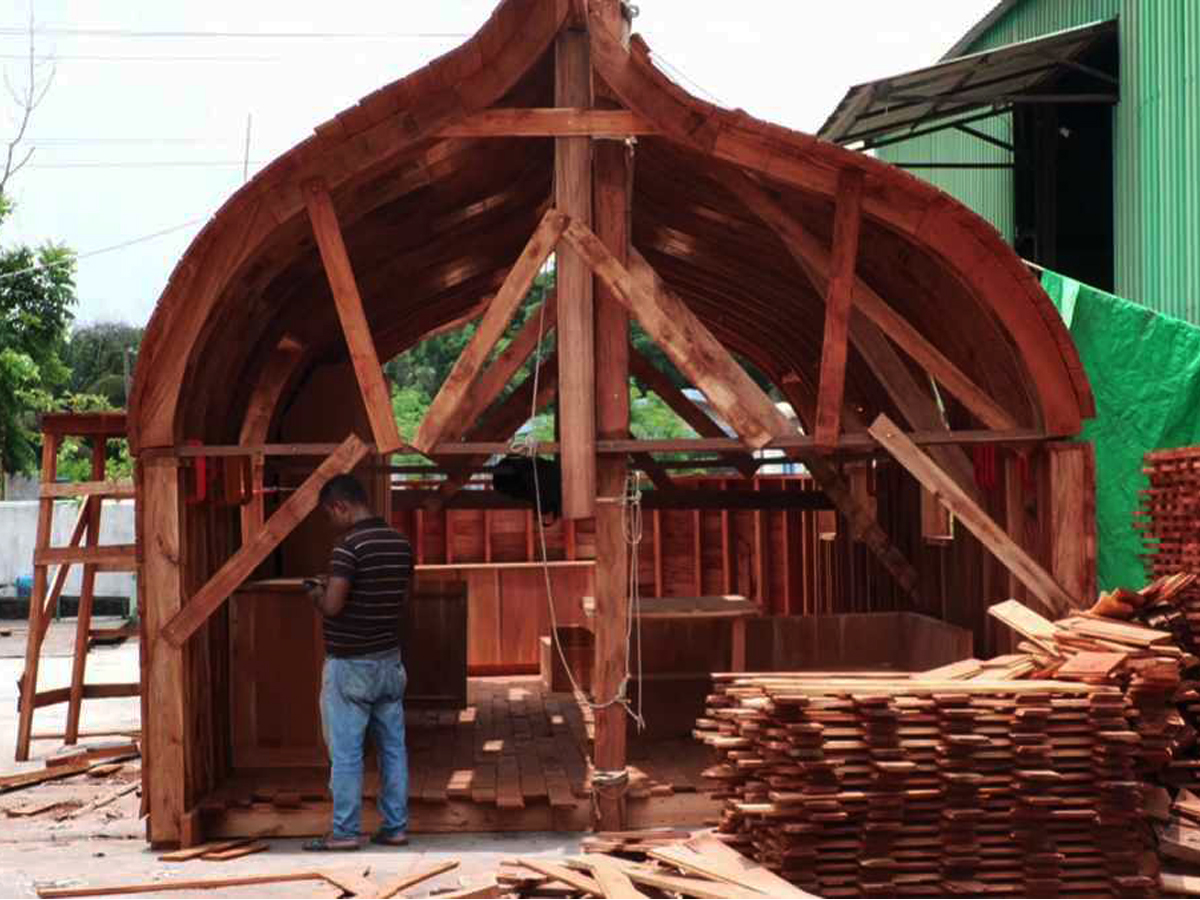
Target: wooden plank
26, 779
375, 395
978, 522
612, 880
1027, 623
549, 122
200, 849
811, 254
236, 852
106, 424
111, 558
160, 596
83, 618
290, 514
39, 615
1072, 517
352, 880
561, 873
684, 338
404, 882
707, 856
119, 489
831, 391
576, 410
176, 885
442, 415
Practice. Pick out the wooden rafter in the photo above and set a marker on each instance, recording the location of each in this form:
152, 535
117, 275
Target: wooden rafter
1040, 582
283, 521
812, 255
444, 412
689, 343
507, 363
376, 397
696, 418
735, 396
549, 122
831, 391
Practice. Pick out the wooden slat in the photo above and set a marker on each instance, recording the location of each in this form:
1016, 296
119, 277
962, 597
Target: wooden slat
684, 338
290, 514
177, 884
831, 392
105, 424
561, 873
113, 558
808, 250
376, 397
83, 618
442, 414
112, 490
404, 882
549, 122
38, 614
978, 522
612, 880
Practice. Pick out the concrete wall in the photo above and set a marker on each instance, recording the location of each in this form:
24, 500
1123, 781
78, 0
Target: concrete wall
18, 531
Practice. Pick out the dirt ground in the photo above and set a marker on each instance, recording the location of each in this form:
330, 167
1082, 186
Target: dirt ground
67, 846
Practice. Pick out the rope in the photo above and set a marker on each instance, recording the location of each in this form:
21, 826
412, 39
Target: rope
631, 522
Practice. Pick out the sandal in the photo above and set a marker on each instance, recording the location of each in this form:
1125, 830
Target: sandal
390, 838
330, 843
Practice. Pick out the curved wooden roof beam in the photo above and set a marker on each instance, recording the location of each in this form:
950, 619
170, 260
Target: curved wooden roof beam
963, 240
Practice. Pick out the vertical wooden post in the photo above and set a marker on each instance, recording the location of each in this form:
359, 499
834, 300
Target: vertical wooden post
87, 589
576, 338
37, 599
613, 176
1072, 519
161, 590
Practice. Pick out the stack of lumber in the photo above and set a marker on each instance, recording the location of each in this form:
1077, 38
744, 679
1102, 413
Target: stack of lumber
872, 787
1170, 513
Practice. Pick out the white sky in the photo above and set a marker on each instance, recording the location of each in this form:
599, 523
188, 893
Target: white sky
109, 127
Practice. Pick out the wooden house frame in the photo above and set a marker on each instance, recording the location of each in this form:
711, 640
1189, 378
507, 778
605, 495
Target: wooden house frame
850, 285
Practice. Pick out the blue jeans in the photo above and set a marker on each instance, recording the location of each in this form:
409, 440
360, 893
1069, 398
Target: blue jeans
361, 694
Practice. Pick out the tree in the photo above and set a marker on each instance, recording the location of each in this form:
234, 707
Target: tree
95, 355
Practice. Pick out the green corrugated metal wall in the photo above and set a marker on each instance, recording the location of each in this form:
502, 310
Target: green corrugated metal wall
1156, 190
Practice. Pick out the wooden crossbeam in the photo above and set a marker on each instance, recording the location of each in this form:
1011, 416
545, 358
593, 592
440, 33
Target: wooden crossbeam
291, 513
832, 387
444, 411
109, 490
549, 122
742, 403
114, 558
376, 397
686, 340
809, 250
1040, 582
699, 421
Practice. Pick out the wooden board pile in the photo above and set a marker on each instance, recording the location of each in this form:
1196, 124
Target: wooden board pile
896, 787
1169, 513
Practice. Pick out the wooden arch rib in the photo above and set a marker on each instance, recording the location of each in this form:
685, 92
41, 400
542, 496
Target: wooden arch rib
892, 197
354, 145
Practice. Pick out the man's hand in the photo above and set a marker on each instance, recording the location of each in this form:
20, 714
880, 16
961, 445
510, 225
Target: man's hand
329, 595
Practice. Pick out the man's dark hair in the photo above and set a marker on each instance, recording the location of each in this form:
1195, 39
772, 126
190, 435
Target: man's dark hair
346, 488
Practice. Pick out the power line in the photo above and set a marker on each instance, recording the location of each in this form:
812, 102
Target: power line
155, 164
4, 276
265, 35
97, 58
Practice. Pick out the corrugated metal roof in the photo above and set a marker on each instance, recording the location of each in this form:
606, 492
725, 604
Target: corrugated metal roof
992, 78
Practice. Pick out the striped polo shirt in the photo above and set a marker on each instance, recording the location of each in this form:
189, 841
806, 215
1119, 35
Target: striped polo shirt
378, 561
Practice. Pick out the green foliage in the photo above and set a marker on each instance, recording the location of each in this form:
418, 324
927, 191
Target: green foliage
95, 354
37, 289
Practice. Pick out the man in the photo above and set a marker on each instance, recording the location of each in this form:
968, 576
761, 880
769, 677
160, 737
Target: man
362, 684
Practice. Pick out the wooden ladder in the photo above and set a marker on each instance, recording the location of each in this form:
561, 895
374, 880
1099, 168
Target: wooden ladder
99, 428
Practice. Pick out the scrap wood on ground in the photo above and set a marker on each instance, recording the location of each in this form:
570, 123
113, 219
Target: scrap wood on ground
653, 863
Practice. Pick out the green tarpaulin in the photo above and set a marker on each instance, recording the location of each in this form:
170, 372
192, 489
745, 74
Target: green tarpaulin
1145, 373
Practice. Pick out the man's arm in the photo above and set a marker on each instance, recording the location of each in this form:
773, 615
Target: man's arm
331, 598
